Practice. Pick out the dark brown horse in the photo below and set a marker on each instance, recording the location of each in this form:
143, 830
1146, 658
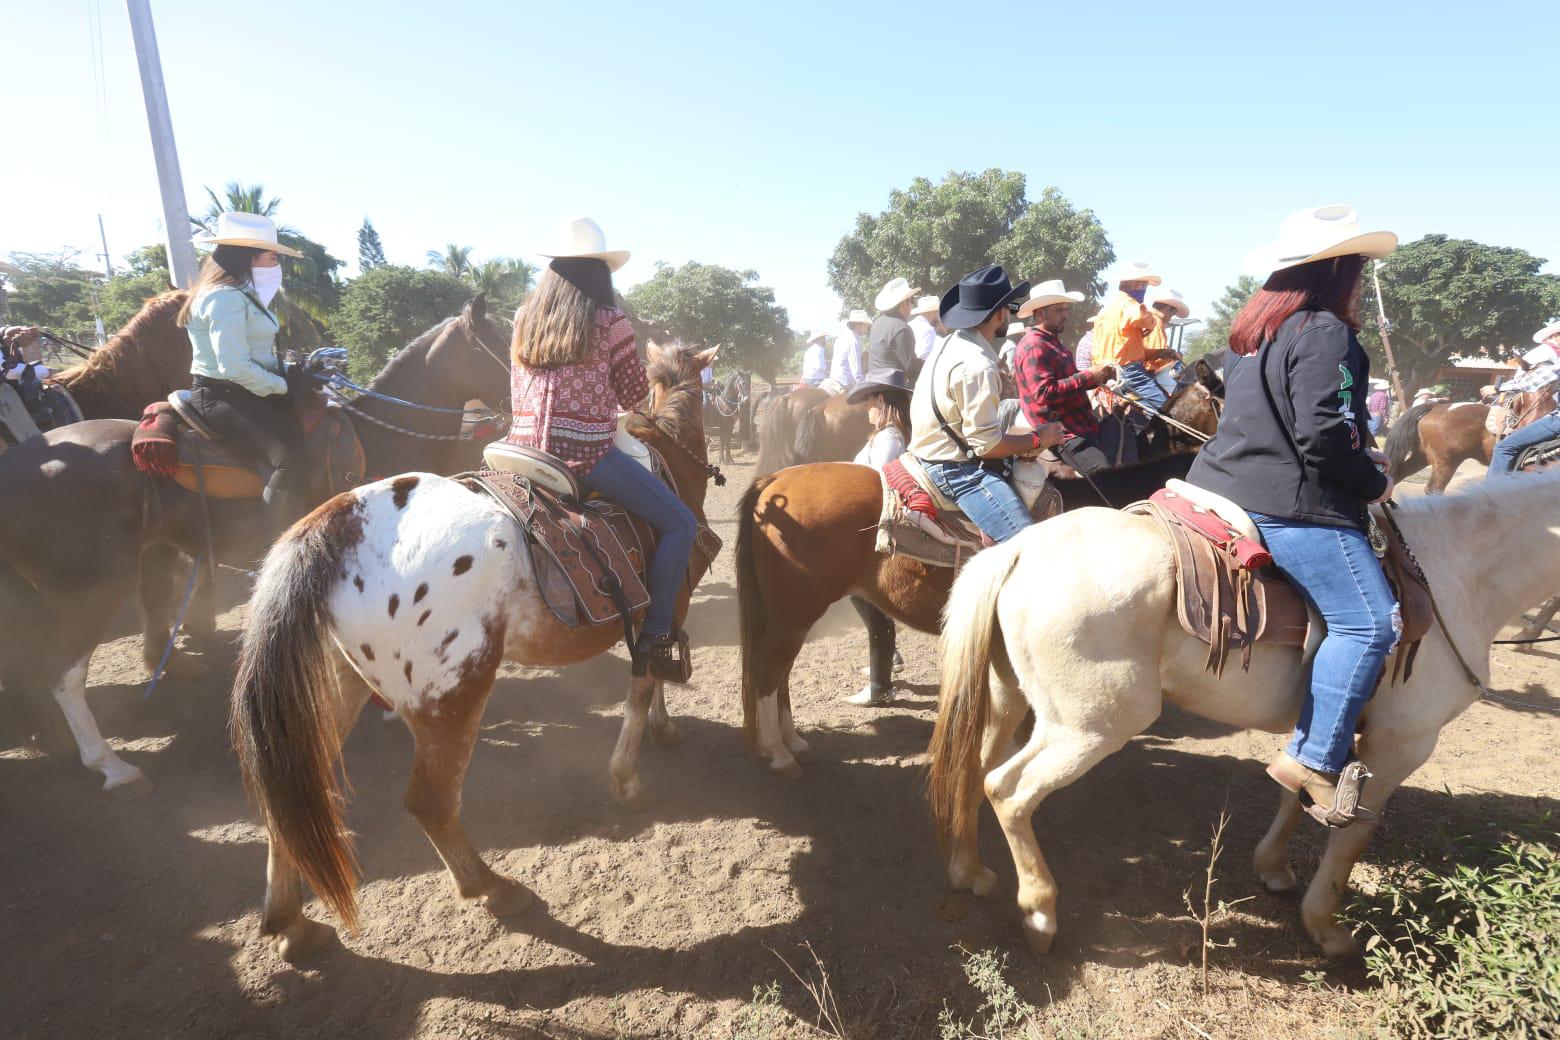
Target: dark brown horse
1445, 435
75, 515
806, 539
810, 425
143, 362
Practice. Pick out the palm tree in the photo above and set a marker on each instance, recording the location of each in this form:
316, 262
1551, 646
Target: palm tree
454, 260
524, 276
493, 277
311, 283
239, 199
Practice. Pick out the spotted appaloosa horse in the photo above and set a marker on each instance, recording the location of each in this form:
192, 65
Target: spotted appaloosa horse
416, 588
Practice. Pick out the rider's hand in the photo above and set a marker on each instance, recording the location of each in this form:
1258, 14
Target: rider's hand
1391, 487
1377, 458
1103, 374
1051, 434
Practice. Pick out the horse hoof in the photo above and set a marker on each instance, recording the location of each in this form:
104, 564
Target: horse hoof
303, 939
792, 770
805, 755
634, 798
1336, 943
1283, 883
138, 786
1040, 930
668, 735
509, 899
183, 666
984, 884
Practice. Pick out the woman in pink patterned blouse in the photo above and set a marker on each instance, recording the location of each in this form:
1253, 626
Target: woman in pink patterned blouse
575, 367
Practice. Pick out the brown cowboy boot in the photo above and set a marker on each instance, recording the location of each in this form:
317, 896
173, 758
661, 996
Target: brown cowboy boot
1333, 799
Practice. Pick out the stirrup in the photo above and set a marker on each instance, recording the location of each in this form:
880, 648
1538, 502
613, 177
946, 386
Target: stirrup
654, 655
1311, 786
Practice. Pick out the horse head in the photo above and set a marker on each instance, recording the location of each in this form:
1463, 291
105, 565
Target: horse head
673, 421
470, 358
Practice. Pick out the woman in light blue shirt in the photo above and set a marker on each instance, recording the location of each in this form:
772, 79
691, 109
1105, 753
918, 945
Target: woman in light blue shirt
238, 388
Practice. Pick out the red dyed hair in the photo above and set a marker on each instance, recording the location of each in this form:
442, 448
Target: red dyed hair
1323, 285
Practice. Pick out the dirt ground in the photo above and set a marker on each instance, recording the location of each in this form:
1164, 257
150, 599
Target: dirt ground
139, 919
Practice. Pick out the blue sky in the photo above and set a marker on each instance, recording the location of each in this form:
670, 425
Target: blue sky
751, 135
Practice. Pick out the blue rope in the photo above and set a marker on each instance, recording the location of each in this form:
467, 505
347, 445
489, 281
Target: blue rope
178, 625
337, 381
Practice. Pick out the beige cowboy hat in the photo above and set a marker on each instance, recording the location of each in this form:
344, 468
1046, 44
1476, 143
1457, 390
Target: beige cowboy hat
1547, 332
858, 317
1047, 293
584, 239
1133, 271
1319, 233
246, 229
1160, 294
1016, 328
926, 305
817, 337
893, 294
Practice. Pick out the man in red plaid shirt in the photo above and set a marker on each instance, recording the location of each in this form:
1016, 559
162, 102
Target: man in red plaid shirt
1050, 387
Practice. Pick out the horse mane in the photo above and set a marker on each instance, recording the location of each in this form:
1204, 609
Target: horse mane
675, 369
141, 361
417, 348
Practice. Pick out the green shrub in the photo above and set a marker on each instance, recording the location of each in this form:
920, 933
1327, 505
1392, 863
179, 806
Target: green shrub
762, 1016
1471, 950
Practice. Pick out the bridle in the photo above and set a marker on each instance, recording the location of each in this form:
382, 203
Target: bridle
711, 471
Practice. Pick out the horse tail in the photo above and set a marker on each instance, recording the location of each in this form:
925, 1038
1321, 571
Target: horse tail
775, 439
970, 634
283, 713
750, 607
1403, 449
809, 435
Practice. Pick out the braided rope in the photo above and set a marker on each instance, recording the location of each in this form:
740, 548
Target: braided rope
393, 428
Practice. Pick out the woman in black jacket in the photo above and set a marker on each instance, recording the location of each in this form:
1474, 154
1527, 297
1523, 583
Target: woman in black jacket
1294, 449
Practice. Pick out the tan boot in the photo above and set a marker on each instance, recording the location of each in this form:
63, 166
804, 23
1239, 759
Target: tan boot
1331, 799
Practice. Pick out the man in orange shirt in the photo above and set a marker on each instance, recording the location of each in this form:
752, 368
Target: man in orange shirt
1120, 329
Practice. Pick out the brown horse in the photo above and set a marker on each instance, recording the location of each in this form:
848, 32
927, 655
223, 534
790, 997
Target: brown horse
806, 537
345, 595
143, 362
810, 425
1443, 436
75, 515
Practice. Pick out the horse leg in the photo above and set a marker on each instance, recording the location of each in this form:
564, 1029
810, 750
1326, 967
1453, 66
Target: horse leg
1271, 858
161, 589
663, 729
1397, 758
1540, 623
1442, 469
626, 786
445, 730
777, 652
965, 869
120, 778
281, 916
799, 748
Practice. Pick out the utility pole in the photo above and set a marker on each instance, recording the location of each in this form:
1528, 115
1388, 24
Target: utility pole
108, 264
176, 216
1385, 325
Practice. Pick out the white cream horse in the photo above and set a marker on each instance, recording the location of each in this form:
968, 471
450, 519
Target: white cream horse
1096, 656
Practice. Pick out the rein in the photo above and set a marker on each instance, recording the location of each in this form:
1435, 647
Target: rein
79, 349
1142, 405
711, 471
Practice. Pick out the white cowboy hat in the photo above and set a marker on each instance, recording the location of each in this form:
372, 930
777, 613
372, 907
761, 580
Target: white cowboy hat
1173, 297
1016, 328
1552, 329
893, 294
1133, 271
816, 336
1047, 293
1319, 233
583, 238
858, 317
926, 305
246, 229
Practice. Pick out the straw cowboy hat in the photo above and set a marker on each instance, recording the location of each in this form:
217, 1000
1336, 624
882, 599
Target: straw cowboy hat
893, 294
1320, 233
925, 305
1047, 293
886, 381
858, 317
817, 337
977, 297
1173, 297
583, 238
1547, 332
1133, 271
246, 229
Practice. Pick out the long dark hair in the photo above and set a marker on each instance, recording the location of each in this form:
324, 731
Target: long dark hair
557, 323
227, 265
896, 412
1323, 285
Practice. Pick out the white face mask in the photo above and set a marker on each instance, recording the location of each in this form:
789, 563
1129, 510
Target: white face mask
267, 282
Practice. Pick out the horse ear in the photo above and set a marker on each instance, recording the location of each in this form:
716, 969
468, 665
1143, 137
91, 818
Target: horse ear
476, 308
655, 352
706, 358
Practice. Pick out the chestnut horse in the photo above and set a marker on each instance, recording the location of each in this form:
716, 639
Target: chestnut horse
810, 424
340, 610
1096, 657
806, 539
76, 515
1443, 436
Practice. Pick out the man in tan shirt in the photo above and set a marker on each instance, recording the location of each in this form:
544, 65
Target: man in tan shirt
955, 426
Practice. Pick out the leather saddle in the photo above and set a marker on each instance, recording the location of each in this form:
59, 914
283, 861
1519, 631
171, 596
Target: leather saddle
173, 441
919, 521
1230, 596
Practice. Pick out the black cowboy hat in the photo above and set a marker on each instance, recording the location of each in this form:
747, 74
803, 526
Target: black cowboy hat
879, 381
977, 296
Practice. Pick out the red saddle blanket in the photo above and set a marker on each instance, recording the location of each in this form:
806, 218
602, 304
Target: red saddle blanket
912, 494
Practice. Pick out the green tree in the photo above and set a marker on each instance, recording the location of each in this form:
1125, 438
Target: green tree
1448, 296
505, 281
53, 292
1215, 335
388, 306
454, 260
932, 234
706, 305
371, 252
311, 283
145, 275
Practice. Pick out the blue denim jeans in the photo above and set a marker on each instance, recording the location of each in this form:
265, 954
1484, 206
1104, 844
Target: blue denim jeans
618, 478
1504, 458
1339, 575
1142, 383
984, 496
